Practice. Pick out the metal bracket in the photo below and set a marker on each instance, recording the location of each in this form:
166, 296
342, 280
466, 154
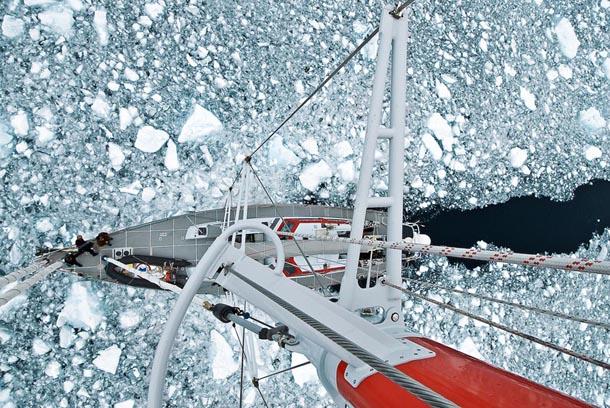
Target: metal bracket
411, 352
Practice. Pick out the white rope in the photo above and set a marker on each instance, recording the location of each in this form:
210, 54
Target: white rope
15, 276
539, 261
22, 287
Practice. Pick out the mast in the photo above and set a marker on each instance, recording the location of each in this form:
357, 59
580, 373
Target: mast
392, 55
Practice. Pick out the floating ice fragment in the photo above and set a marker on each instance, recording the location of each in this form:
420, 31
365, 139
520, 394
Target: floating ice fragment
432, 146
101, 25
45, 135
148, 194
568, 42
346, 171
153, 10
5, 137
44, 225
314, 174
126, 116
221, 354
591, 119
20, 123
565, 71
311, 146
529, 99
133, 188
442, 130
100, 106
442, 91
517, 157
131, 75
66, 337
343, 149
124, 404
39, 347
57, 19
12, 27
68, 386
305, 374
171, 157
220, 82
81, 309
468, 347
53, 369
606, 67
116, 155
280, 154
108, 359
129, 318
592, 153
200, 124
150, 140
299, 87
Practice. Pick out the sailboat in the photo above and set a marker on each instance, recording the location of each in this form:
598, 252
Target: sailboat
331, 278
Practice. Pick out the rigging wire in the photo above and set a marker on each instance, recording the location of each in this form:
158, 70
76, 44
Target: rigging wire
508, 303
489, 298
281, 371
254, 380
397, 13
507, 329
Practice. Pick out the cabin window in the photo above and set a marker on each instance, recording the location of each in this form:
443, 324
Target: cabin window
202, 231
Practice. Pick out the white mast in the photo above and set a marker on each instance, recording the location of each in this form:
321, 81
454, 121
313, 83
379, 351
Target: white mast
393, 34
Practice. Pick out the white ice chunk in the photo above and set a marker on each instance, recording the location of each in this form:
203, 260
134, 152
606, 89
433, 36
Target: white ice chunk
311, 146
528, 98
606, 67
12, 27
129, 318
346, 171
45, 135
441, 129
100, 106
81, 309
124, 404
343, 149
200, 124
57, 19
305, 374
565, 71
299, 87
66, 336
432, 146
131, 75
101, 25
314, 174
468, 347
442, 91
221, 354
53, 369
148, 194
108, 359
517, 157
39, 347
133, 188
171, 157
592, 153
591, 119
20, 123
568, 42
280, 154
116, 155
150, 140
44, 225
5, 136
153, 10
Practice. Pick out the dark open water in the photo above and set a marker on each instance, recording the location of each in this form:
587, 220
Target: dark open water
526, 224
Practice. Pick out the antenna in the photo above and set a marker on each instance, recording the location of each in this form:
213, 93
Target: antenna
393, 35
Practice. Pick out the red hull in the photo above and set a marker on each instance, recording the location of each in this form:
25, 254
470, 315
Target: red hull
458, 377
